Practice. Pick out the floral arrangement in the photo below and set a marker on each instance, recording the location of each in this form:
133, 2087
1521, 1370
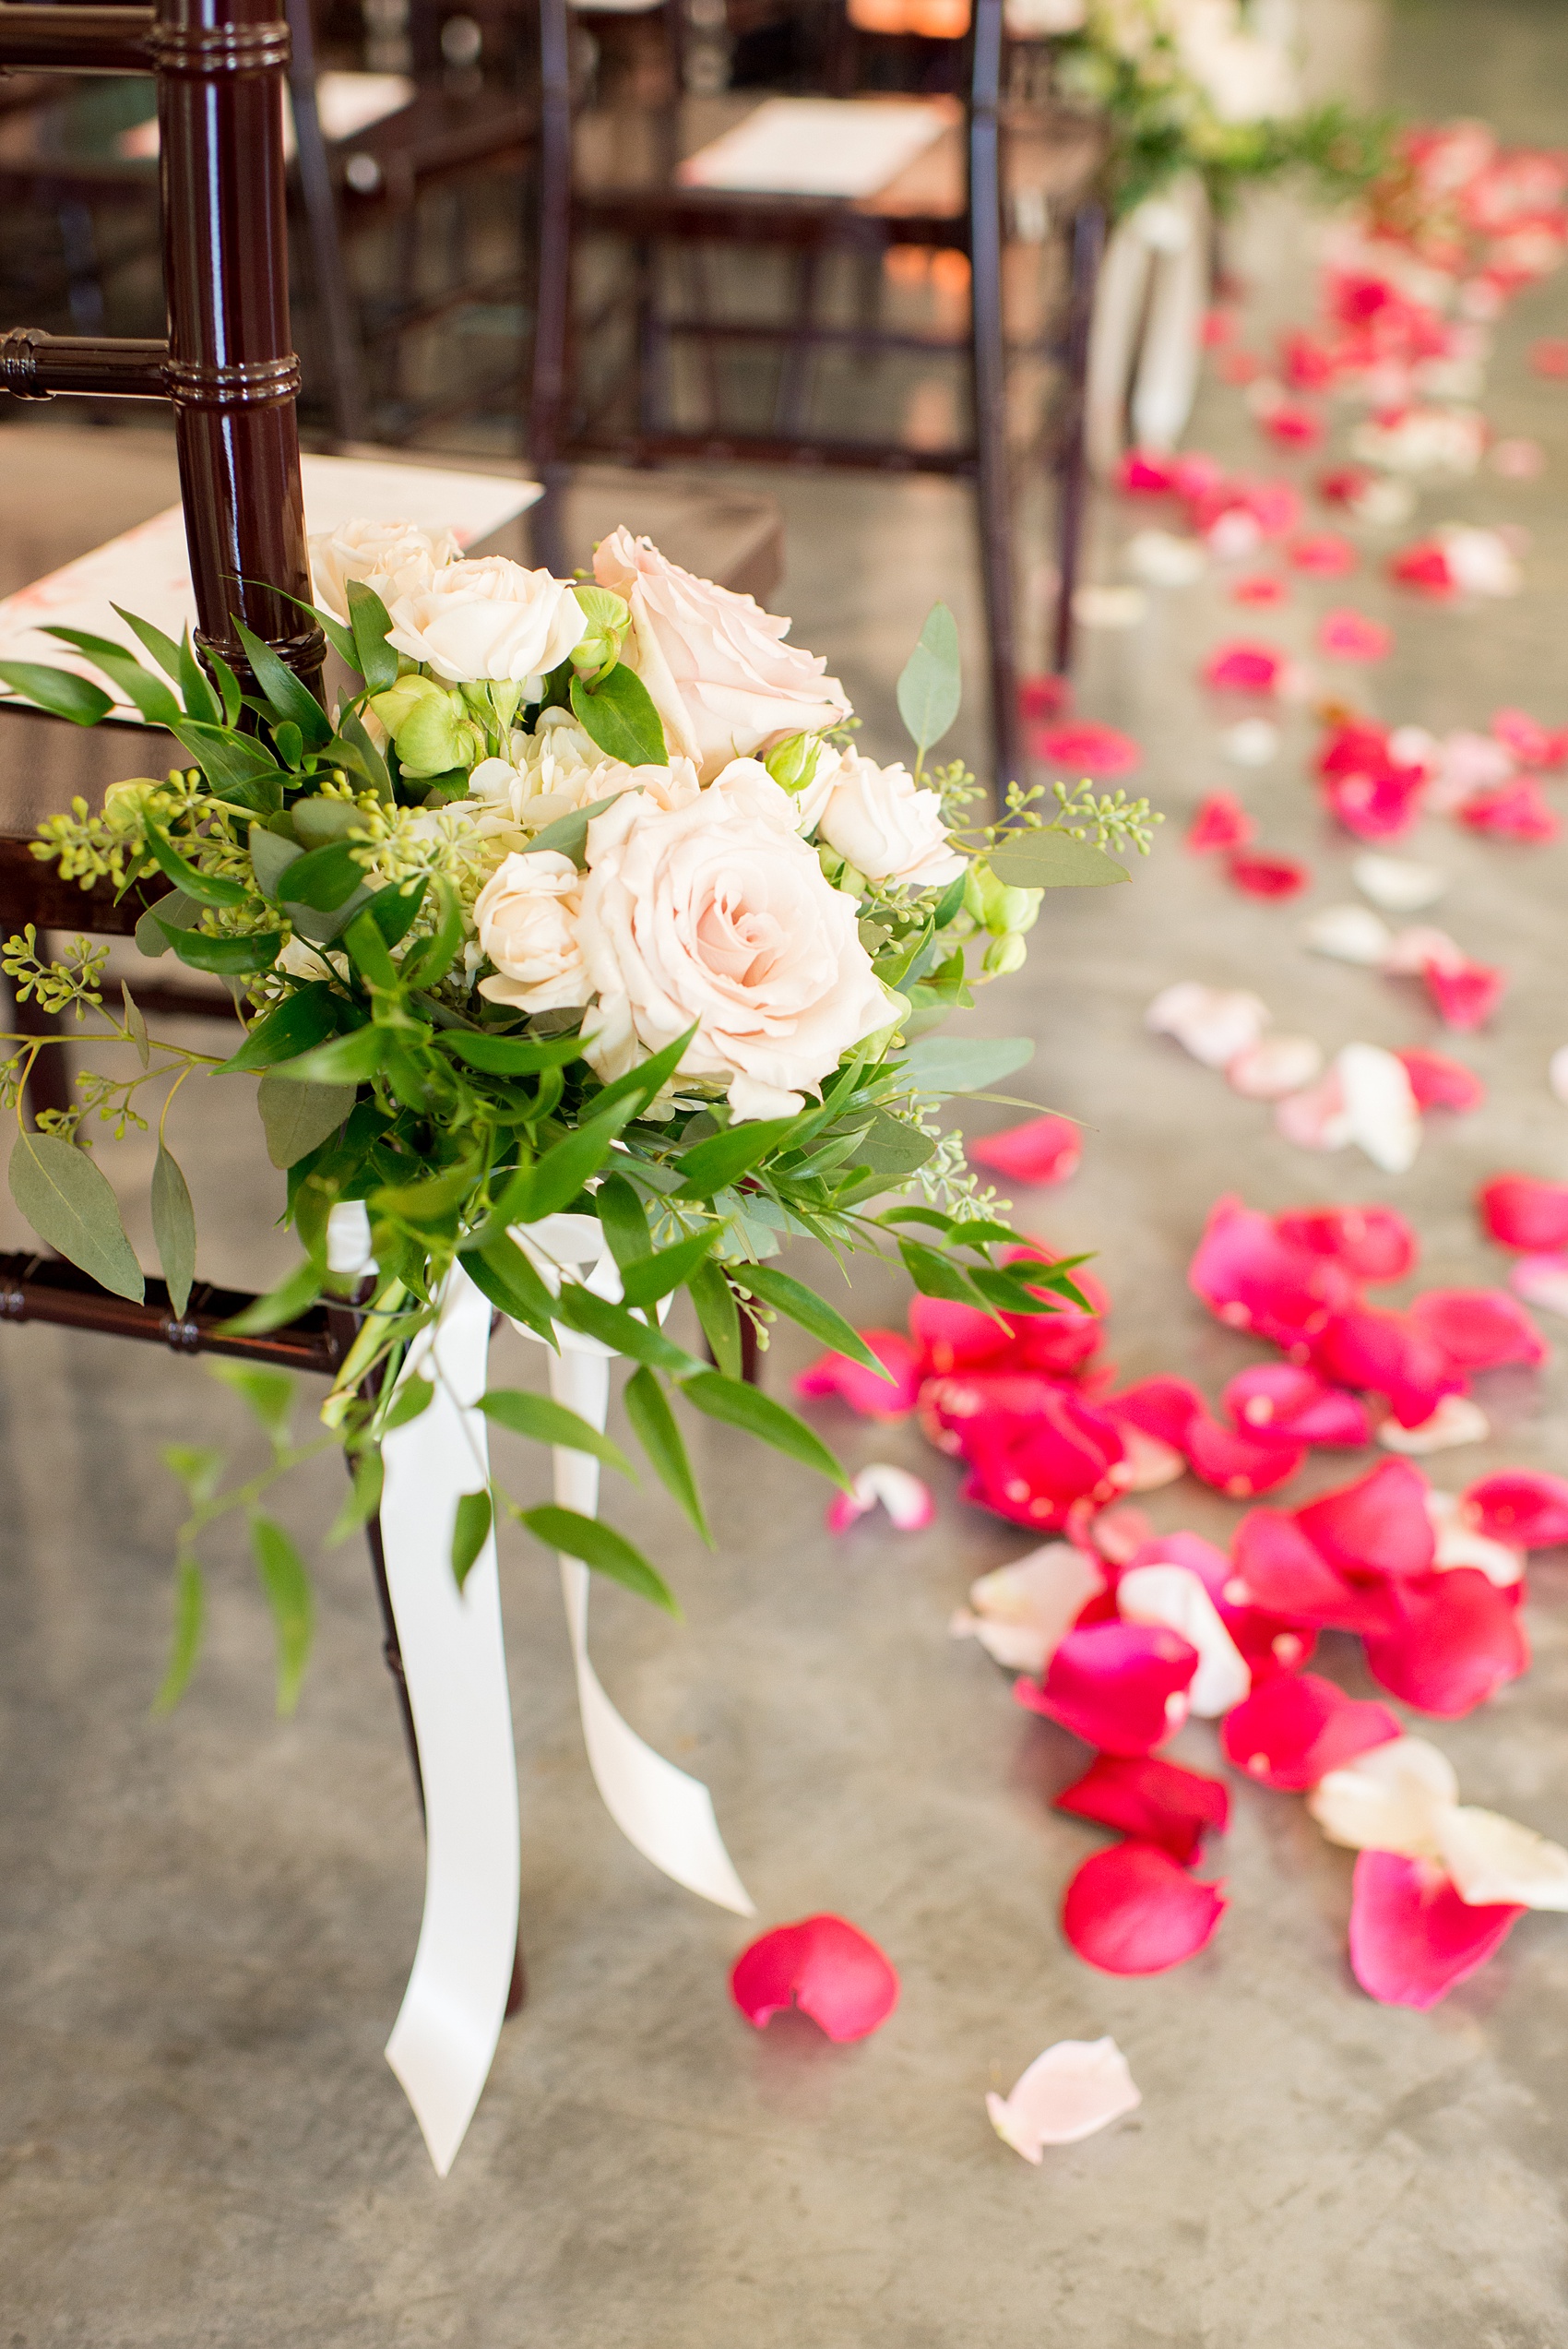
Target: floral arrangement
582, 896
1197, 85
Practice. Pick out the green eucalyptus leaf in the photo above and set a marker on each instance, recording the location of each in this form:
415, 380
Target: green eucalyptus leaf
652, 1277
228, 958
263, 1388
712, 1164
294, 1295
190, 1616
719, 1317
72, 1207
305, 1017
942, 1065
173, 1229
568, 835
803, 1305
297, 1116
207, 889
1049, 860
512, 1055
376, 661
175, 911
930, 687
543, 1421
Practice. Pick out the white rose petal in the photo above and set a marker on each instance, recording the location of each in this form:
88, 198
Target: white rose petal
1542, 1281
1175, 1596
1349, 933
1392, 1799
1493, 1859
1076, 2087
1315, 1119
1455, 1421
1022, 1612
1557, 1074
887, 826
1459, 1544
1109, 607
1165, 560
1380, 1107
1412, 951
1252, 742
488, 620
1213, 1023
720, 676
394, 558
717, 913
1480, 561
1395, 885
1274, 1067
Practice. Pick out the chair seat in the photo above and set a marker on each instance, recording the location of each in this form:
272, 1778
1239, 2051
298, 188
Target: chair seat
65, 491
626, 162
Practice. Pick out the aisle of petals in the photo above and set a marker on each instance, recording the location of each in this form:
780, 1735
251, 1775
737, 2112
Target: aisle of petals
1119, 1633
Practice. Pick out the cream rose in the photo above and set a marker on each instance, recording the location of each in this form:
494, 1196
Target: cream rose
488, 620
505, 799
394, 558
888, 826
526, 918
717, 912
722, 680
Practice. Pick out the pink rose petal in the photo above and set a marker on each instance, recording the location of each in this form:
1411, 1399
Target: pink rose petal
1274, 1067
1076, 2087
851, 1382
1456, 1640
1122, 1686
1348, 634
1386, 1354
1045, 1150
1285, 1400
1240, 1462
1515, 812
1531, 744
1479, 1328
1376, 806
1527, 1508
1440, 1083
1260, 590
1041, 697
1033, 1451
1371, 1243
1294, 1729
1244, 667
1213, 1023
1412, 1938
1133, 1910
831, 1970
1154, 1801
1085, 748
1163, 1408
1377, 1525
1175, 1596
1524, 1212
1279, 1569
1424, 567
1327, 554
1220, 822
1253, 1278
1465, 999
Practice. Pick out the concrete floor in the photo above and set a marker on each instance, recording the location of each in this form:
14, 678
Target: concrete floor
206, 1923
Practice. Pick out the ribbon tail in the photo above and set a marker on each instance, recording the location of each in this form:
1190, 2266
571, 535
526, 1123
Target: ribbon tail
444, 2038
1171, 357
1118, 297
666, 1814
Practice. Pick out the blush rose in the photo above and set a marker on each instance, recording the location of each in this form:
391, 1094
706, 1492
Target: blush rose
487, 620
526, 918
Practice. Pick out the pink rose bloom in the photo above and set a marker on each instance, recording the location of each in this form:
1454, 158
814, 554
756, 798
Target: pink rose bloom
723, 682
719, 913
887, 826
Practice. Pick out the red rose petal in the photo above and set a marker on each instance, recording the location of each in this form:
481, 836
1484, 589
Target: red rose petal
1085, 748
1479, 1328
1458, 1639
1440, 1083
873, 1398
1293, 1730
1524, 1507
1040, 698
1345, 484
1466, 998
1327, 554
1122, 1686
833, 1972
1262, 874
1240, 1462
1244, 667
1293, 427
1283, 1574
1260, 590
1526, 1213
1378, 1525
1531, 744
1163, 1408
1252, 1279
1133, 1910
1147, 473
1220, 822
1385, 1354
1412, 1938
1029, 1464
1517, 811
1284, 1400
1423, 567
1348, 634
1045, 1150
1155, 1801
1371, 1243
1376, 806
953, 1337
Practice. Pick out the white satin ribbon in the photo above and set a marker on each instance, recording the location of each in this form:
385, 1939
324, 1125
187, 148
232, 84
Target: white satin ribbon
443, 2041
1148, 329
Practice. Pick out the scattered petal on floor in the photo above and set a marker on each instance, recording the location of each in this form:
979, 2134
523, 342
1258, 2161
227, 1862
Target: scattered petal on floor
1412, 1937
1045, 1150
1252, 742
1167, 561
1288, 1399
1253, 1278
1294, 1729
1457, 1640
1109, 607
1348, 634
1517, 458
1542, 1281
1326, 552
1465, 999
1238, 1461
907, 1501
1275, 1066
1526, 740
1175, 1596
1133, 1910
1260, 874
831, 1970
1041, 697
1278, 1570
1557, 1074
1154, 1801
1523, 1211
1349, 933
1076, 2087
1517, 811
1244, 667
1377, 1525
1020, 1613
1221, 822
1081, 747
1459, 1543
1494, 1860
1455, 1421
1213, 1023
1526, 1507
1391, 1799
1479, 1328
1379, 1106
1396, 885
873, 1398
1261, 589
1122, 1686
1373, 1244
1438, 1082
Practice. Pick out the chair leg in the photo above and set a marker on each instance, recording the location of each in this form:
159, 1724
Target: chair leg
1087, 242
994, 498
546, 390
793, 393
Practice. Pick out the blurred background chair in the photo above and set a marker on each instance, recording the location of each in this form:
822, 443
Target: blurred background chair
682, 317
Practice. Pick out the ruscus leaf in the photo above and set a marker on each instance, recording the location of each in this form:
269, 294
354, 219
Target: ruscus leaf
654, 1425
289, 1594
741, 1406
542, 1421
470, 1531
600, 1548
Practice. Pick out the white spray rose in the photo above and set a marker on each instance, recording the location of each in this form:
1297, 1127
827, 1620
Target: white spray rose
487, 620
724, 683
888, 826
394, 558
717, 913
526, 919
